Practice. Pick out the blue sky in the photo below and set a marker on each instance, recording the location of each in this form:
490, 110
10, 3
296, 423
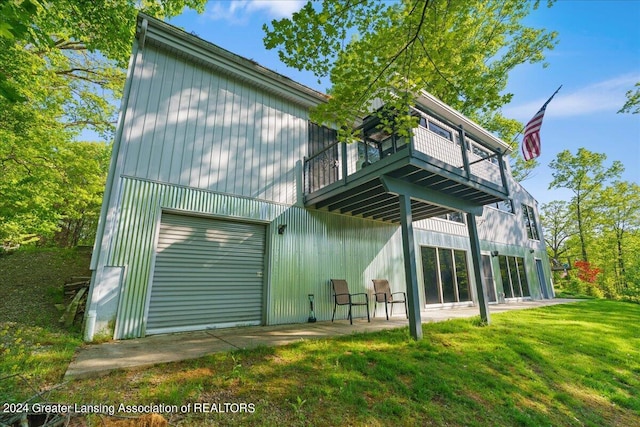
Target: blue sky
596, 61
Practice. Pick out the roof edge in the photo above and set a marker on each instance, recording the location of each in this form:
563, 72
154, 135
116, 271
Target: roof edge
172, 38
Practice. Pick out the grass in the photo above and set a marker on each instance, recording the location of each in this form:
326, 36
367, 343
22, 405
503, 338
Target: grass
566, 365
575, 364
34, 348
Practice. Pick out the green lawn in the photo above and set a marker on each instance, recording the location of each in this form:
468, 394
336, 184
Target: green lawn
575, 364
565, 365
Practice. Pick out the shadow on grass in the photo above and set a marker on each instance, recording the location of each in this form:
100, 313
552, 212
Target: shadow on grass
575, 364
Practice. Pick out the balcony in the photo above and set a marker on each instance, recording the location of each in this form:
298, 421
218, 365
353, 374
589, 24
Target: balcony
441, 174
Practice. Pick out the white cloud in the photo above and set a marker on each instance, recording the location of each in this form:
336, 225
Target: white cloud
605, 96
239, 11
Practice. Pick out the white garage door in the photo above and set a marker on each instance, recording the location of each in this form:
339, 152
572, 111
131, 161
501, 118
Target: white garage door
208, 273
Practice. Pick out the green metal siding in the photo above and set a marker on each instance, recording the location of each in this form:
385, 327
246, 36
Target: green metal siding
188, 125
135, 235
315, 247
318, 246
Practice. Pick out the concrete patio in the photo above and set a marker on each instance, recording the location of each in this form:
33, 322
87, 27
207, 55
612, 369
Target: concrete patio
98, 359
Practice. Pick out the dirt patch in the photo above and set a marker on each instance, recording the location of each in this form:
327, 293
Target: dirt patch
31, 283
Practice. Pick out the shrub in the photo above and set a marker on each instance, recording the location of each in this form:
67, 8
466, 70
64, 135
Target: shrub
593, 290
573, 285
586, 272
608, 287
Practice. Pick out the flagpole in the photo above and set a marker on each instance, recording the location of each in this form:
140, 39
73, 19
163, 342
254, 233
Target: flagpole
524, 127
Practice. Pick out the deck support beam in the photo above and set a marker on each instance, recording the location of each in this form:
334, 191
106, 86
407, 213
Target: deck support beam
410, 270
476, 256
434, 197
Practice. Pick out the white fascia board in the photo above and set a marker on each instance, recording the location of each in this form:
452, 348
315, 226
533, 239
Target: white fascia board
161, 34
457, 118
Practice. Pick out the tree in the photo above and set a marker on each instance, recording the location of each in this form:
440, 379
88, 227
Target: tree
62, 69
459, 51
558, 227
620, 213
584, 174
633, 101
83, 178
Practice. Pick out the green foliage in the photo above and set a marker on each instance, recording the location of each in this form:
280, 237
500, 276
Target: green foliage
61, 73
573, 286
459, 51
584, 174
51, 189
558, 224
632, 105
601, 222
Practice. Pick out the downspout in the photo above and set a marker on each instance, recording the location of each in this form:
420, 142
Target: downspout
111, 179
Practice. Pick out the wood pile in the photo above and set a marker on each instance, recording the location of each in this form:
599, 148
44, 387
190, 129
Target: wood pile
75, 296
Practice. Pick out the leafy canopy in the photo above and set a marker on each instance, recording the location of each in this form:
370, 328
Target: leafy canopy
632, 105
62, 70
461, 51
585, 175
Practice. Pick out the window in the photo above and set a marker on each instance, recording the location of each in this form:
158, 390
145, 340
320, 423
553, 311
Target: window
522, 275
504, 206
514, 277
387, 143
530, 222
462, 275
368, 153
446, 275
435, 127
479, 151
430, 273
440, 131
484, 154
453, 216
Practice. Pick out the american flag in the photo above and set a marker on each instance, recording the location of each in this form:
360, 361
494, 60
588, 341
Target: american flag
531, 140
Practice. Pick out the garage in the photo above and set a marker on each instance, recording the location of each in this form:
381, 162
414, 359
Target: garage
208, 273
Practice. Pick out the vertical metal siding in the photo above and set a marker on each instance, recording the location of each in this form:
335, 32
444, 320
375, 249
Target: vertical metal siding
317, 246
442, 226
191, 127
141, 203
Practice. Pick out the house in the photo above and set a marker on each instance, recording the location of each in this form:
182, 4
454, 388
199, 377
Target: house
226, 206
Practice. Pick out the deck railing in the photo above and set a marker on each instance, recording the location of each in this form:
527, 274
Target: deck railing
339, 161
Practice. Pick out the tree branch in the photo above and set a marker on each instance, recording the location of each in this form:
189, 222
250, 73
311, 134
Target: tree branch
402, 50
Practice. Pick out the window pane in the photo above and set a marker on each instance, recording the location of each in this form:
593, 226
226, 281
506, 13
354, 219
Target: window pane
462, 274
440, 131
487, 276
504, 273
446, 275
430, 272
515, 281
505, 205
533, 224
368, 153
523, 277
479, 151
456, 217
527, 223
